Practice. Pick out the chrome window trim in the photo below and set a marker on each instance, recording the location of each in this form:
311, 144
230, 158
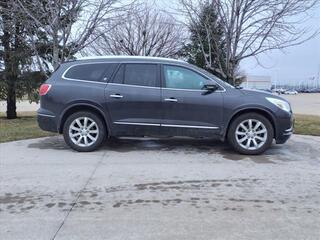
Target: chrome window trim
164, 125
86, 81
104, 82
81, 80
145, 62
129, 85
174, 89
192, 90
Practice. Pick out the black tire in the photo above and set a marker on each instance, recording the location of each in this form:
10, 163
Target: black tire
254, 116
100, 137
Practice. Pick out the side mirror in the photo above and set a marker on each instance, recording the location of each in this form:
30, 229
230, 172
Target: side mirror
210, 88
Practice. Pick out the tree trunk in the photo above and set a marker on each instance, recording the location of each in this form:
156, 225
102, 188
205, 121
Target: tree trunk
9, 64
11, 100
55, 52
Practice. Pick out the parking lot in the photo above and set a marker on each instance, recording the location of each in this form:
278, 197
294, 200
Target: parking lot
159, 189
305, 103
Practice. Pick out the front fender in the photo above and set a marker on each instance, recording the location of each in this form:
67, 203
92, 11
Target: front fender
245, 108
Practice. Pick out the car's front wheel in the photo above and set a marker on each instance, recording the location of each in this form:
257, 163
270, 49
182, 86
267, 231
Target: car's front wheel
84, 131
251, 134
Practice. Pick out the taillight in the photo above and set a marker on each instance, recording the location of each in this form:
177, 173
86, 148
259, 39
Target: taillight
44, 89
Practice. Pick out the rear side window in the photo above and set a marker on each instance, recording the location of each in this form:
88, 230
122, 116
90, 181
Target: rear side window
118, 78
138, 74
141, 74
91, 72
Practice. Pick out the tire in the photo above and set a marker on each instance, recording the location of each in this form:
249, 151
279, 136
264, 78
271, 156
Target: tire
260, 139
85, 125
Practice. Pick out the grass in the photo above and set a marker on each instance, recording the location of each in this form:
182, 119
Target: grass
26, 127
307, 125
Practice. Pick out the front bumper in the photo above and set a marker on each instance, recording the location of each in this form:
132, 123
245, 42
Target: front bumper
285, 127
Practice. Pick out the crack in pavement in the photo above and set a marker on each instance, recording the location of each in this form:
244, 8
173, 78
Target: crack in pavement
78, 196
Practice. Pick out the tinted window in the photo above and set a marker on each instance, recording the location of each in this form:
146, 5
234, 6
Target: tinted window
141, 74
182, 78
118, 78
91, 72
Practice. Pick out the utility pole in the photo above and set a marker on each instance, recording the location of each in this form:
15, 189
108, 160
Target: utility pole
144, 47
275, 84
318, 77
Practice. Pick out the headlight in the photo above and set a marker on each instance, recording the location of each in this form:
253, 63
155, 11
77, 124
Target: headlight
280, 103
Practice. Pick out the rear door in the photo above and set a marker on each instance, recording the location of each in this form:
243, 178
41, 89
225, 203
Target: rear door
186, 111
133, 99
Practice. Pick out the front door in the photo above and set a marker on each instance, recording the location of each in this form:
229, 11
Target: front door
133, 100
186, 110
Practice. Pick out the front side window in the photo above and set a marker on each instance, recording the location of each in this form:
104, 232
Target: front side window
91, 72
182, 78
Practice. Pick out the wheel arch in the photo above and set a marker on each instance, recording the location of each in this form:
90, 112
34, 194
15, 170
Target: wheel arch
82, 107
267, 114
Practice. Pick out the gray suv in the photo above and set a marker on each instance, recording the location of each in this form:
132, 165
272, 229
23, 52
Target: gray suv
91, 99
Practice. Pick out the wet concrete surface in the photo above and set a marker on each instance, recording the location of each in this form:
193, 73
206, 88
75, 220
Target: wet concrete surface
159, 189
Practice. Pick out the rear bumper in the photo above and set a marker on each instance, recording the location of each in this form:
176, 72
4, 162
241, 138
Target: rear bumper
47, 121
285, 128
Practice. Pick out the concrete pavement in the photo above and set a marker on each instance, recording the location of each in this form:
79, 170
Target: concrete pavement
159, 189
304, 103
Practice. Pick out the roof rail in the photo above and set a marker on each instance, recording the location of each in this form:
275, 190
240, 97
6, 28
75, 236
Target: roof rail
128, 57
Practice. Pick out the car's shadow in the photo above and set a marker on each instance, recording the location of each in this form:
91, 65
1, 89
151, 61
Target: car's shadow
185, 145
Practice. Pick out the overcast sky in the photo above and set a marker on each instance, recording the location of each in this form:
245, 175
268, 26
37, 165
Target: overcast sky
294, 64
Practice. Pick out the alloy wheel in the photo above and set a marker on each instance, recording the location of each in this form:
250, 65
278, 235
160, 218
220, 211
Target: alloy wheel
83, 131
251, 134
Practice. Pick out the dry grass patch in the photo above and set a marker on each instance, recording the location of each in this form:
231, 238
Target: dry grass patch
307, 125
24, 127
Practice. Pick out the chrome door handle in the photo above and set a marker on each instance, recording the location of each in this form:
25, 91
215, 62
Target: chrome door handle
116, 96
171, 100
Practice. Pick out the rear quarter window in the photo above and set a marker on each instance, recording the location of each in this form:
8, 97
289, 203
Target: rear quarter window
91, 72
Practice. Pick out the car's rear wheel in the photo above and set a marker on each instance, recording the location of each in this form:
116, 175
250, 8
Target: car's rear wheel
84, 131
251, 134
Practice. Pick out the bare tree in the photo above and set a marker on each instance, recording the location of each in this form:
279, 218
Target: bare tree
70, 25
143, 31
252, 27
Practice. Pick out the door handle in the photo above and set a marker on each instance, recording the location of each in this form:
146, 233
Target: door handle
171, 100
116, 96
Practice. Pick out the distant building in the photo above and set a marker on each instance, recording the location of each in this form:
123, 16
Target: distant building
256, 82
